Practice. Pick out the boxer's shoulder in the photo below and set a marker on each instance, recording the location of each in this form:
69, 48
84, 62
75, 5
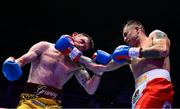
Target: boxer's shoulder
158, 34
40, 47
44, 43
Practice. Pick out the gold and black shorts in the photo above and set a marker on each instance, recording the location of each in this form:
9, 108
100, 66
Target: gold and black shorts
38, 96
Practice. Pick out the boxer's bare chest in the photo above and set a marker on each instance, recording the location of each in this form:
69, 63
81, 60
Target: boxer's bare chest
56, 61
141, 65
52, 68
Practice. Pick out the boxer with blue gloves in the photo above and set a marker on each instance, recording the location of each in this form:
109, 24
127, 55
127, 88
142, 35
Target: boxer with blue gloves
148, 58
65, 44
11, 69
124, 52
50, 69
101, 57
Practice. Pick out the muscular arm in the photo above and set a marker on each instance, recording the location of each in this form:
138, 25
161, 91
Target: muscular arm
90, 84
32, 54
91, 65
160, 48
112, 65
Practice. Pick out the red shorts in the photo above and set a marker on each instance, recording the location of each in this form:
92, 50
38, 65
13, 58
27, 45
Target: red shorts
153, 90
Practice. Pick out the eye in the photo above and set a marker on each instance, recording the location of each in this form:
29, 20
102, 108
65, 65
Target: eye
124, 34
82, 41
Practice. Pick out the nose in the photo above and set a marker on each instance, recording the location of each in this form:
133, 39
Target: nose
82, 47
125, 39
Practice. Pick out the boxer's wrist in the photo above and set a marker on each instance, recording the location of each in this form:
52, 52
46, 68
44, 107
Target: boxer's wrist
135, 52
75, 54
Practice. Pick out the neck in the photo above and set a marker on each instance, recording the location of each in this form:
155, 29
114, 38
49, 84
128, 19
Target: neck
143, 39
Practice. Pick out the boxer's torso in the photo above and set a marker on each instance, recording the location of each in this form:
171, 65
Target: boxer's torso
142, 65
52, 68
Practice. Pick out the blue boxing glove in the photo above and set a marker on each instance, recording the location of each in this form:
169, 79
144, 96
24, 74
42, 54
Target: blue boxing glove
101, 57
124, 52
11, 70
120, 54
65, 45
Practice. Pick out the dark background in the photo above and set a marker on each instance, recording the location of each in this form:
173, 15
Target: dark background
24, 23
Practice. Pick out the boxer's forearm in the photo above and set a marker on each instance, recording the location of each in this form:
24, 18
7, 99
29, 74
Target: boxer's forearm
154, 52
84, 60
114, 66
91, 65
87, 62
92, 84
98, 67
26, 58
150, 53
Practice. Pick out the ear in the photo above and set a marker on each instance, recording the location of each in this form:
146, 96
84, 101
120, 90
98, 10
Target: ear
137, 28
74, 34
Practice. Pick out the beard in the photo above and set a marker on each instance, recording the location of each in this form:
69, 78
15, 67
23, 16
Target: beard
134, 42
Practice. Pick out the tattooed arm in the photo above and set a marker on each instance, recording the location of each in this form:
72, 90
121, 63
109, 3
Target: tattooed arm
90, 84
160, 47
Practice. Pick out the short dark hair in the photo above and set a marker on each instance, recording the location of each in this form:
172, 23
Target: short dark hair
91, 41
134, 22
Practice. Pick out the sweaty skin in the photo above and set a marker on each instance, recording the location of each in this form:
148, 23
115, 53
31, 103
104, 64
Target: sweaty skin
50, 67
154, 52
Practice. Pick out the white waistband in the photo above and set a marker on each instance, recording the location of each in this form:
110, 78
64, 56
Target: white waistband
155, 73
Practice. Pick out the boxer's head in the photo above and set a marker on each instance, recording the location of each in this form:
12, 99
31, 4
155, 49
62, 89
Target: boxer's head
132, 30
83, 41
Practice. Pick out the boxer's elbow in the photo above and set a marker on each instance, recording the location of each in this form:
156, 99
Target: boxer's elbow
163, 51
91, 88
91, 92
163, 47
